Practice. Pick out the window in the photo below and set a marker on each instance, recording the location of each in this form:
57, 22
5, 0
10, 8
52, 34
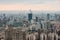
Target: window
17, 36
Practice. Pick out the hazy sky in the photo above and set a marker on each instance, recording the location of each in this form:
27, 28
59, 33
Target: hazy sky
30, 4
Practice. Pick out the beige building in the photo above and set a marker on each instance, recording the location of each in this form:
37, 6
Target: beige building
2, 35
32, 36
14, 34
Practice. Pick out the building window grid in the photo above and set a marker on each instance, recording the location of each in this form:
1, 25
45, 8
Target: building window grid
17, 36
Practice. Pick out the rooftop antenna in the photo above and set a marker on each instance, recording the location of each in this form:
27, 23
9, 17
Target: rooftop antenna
30, 11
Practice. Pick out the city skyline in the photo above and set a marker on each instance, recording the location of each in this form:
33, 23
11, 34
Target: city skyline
49, 5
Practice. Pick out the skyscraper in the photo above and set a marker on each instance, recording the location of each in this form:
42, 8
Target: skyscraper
4, 19
48, 16
36, 19
29, 15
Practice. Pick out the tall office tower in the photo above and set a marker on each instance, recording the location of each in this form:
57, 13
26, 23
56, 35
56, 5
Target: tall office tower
30, 15
57, 17
36, 19
4, 19
39, 34
48, 16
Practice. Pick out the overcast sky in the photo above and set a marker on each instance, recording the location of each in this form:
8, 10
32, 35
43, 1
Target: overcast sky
30, 4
